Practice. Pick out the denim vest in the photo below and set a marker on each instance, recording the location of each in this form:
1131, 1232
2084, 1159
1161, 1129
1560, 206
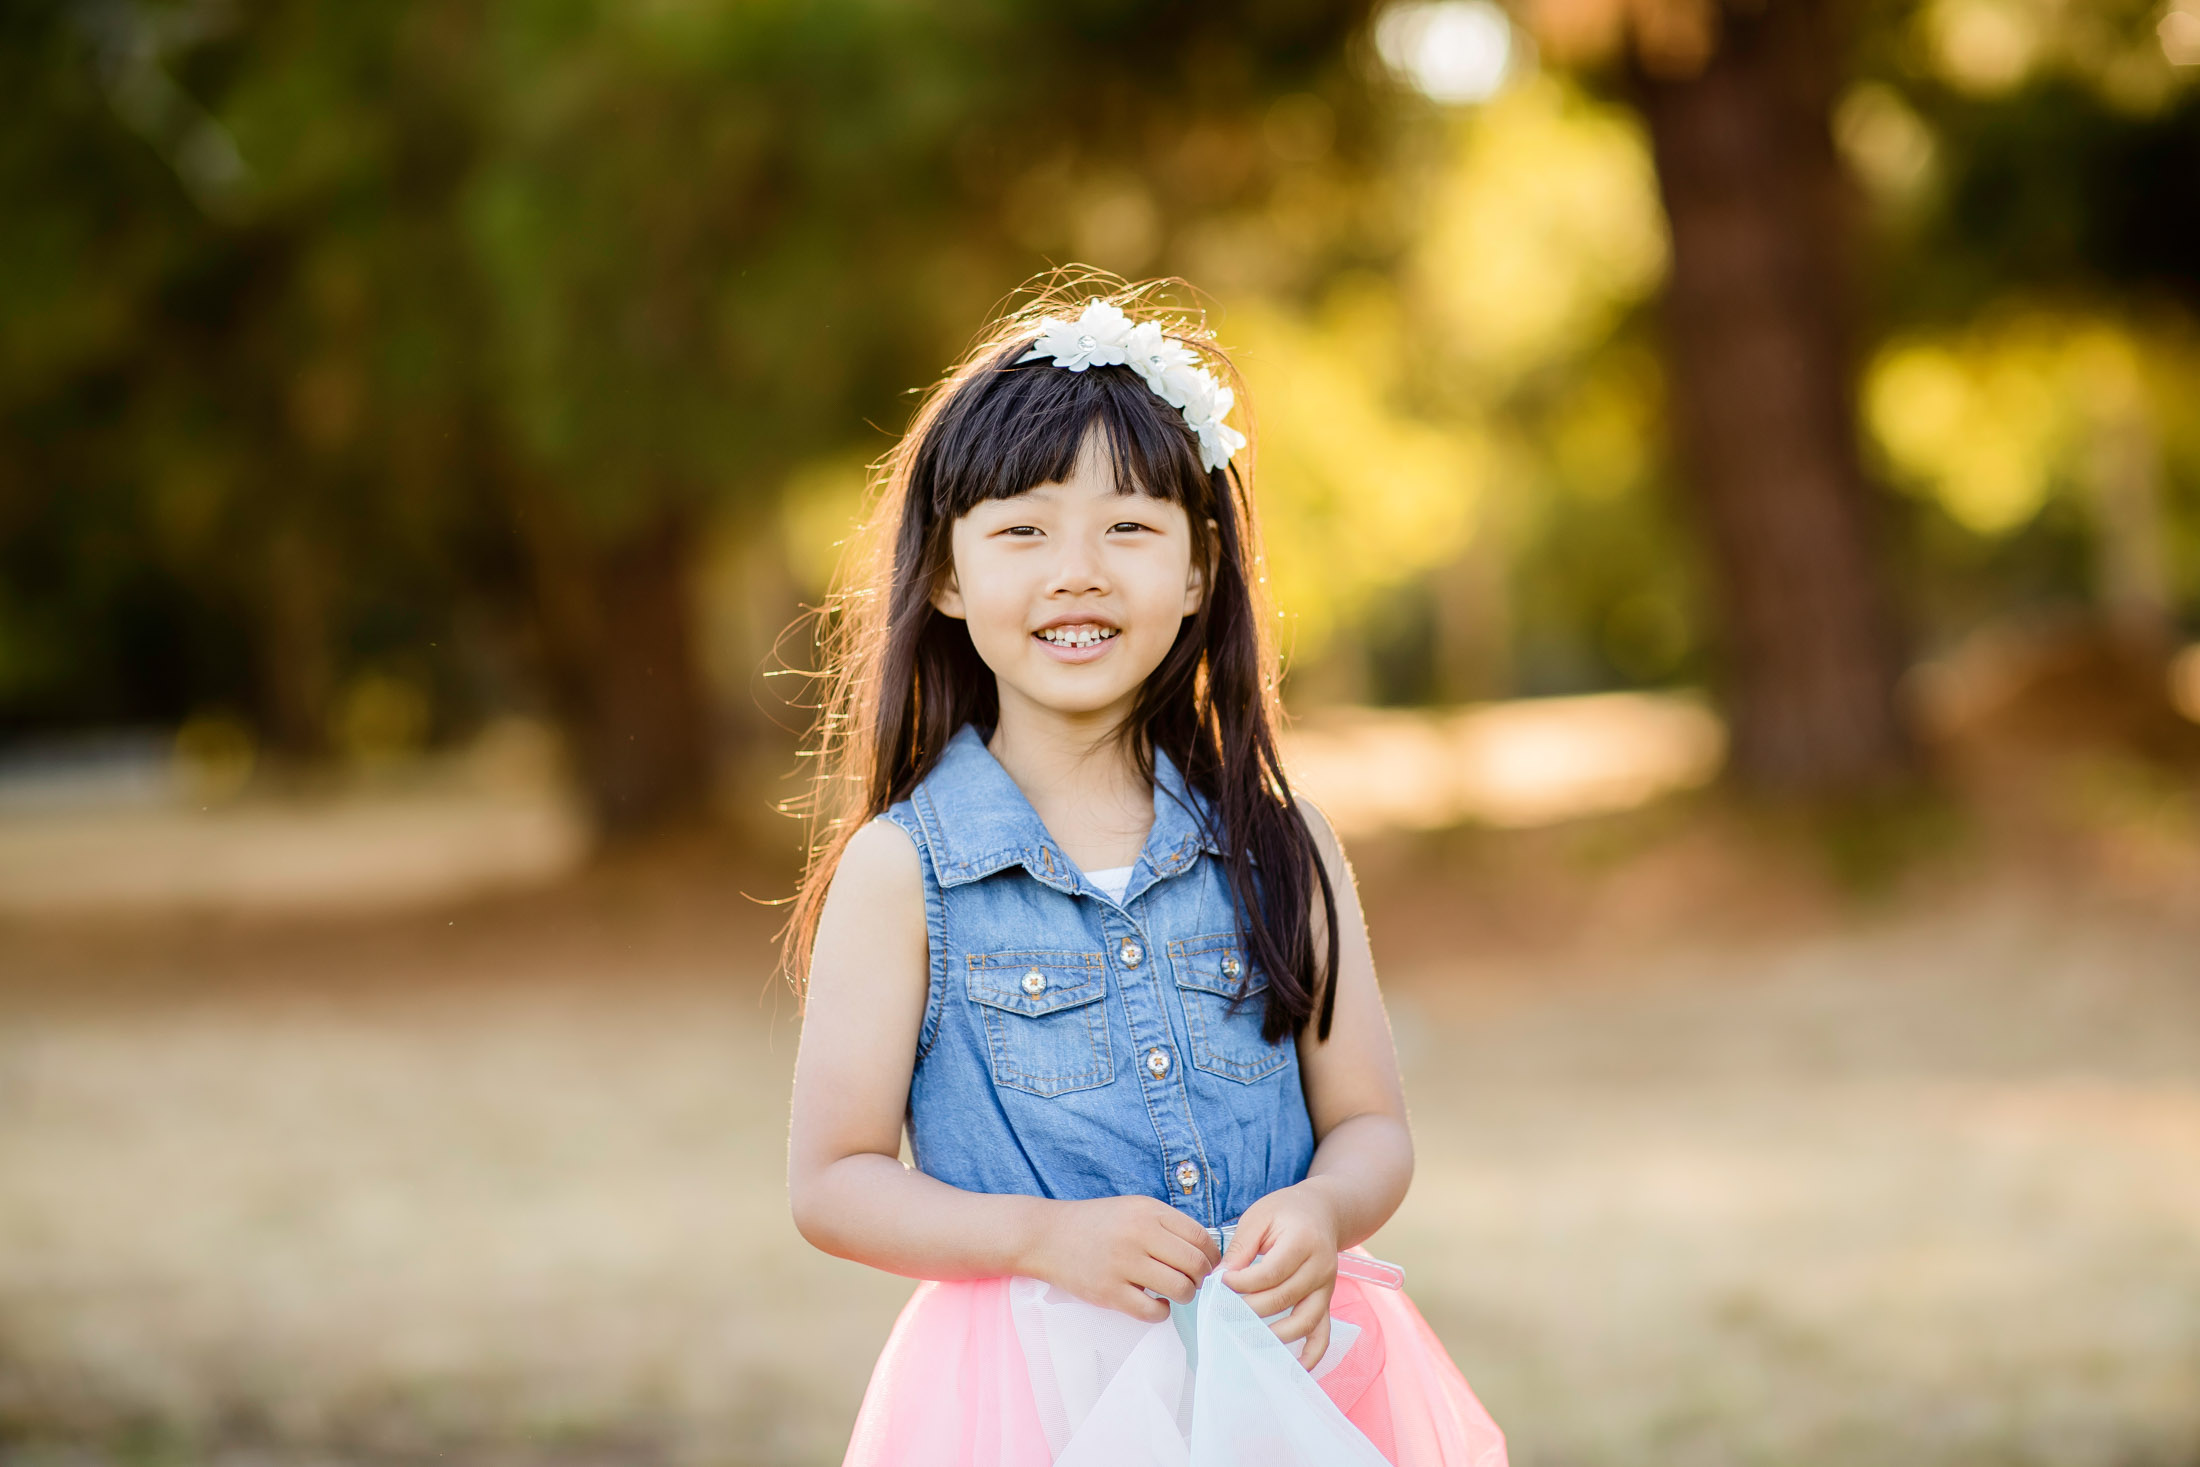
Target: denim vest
1074, 1046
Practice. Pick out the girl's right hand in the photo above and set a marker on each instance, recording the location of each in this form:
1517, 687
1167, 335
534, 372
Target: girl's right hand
1109, 1251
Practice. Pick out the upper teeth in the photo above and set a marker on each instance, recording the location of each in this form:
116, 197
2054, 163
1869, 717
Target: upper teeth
1077, 636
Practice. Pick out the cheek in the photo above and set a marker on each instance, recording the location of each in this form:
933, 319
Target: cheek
1162, 588
994, 594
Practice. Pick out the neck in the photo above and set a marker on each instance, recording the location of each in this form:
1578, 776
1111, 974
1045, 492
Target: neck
1079, 776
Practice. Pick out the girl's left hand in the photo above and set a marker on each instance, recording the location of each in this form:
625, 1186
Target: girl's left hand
1294, 1232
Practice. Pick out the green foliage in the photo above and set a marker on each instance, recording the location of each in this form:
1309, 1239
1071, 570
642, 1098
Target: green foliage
308, 304
313, 312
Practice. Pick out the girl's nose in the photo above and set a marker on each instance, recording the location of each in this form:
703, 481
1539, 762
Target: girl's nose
1079, 569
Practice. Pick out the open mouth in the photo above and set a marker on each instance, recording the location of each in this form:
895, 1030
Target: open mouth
1087, 635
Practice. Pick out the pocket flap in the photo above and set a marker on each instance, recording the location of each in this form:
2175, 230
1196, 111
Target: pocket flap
1036, 983
1217, 965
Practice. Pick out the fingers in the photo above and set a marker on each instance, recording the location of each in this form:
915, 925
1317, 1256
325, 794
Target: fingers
1312, 1313
1317, 1343
1302, 1283
1138, 1306
1179, 1253
1270, 1271
1180, 1257
1152, 1273
1249, 1240
1185, 1230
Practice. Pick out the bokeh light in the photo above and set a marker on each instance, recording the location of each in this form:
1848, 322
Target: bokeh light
1455, 51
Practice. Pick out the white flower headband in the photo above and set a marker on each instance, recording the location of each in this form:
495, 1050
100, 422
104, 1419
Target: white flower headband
1104, 337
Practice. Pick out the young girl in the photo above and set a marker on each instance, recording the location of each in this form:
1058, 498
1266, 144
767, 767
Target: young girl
1069, 927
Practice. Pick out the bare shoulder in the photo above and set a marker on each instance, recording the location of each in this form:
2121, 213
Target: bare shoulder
873, 922
880, 861
1325, 837
1342, 884
863, 1004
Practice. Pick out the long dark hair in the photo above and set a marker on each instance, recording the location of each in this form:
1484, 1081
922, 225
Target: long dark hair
901, 678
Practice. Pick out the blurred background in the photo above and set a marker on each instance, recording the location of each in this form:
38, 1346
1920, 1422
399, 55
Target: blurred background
1731, 481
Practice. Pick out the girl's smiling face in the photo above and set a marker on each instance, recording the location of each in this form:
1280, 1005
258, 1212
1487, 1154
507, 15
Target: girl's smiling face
1072, 591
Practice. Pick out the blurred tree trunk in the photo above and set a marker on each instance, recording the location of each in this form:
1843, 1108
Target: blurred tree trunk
618, 628
296, 672
1759, 316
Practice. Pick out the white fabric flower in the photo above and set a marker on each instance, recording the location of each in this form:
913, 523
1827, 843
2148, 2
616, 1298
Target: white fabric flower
1218, 443
1102, 336
1190, 388
1152, 355
1207, 404
1097, 338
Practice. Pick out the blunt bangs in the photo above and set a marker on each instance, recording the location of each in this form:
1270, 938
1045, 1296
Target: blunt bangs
1014, 427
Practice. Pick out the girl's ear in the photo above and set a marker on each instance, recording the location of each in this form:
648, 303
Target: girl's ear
1195, 582
947, 597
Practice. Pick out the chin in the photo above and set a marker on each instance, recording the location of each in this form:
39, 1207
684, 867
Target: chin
1075, 694
1079, 700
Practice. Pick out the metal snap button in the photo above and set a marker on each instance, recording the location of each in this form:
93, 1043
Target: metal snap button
1157, 1061
1035, 983
1231, 967
1187, 1176
1131, 953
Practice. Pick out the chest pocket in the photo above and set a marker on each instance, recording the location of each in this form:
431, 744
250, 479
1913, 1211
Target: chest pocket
1225, 998
1046, 1026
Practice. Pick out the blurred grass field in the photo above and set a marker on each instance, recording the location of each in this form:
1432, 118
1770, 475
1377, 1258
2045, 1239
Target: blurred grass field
1721, 1162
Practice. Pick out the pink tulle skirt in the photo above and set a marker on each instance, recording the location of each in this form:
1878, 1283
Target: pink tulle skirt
1011, 1373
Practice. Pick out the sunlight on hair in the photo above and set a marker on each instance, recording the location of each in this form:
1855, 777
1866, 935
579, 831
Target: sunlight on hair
1531, 762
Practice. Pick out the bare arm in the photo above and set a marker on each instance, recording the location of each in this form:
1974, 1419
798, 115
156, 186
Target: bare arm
1363, 1153
1363, 1159
850, 1193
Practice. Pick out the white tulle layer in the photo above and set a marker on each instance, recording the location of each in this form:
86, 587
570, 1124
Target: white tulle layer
1211, 1386
1012, 1373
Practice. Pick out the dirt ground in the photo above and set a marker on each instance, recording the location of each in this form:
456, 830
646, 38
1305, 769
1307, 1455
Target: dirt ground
1722, 1161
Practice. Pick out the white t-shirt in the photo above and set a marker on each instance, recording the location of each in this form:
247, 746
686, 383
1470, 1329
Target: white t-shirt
1115, 880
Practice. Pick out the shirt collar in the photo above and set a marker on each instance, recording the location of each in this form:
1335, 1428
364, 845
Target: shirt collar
977, 822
